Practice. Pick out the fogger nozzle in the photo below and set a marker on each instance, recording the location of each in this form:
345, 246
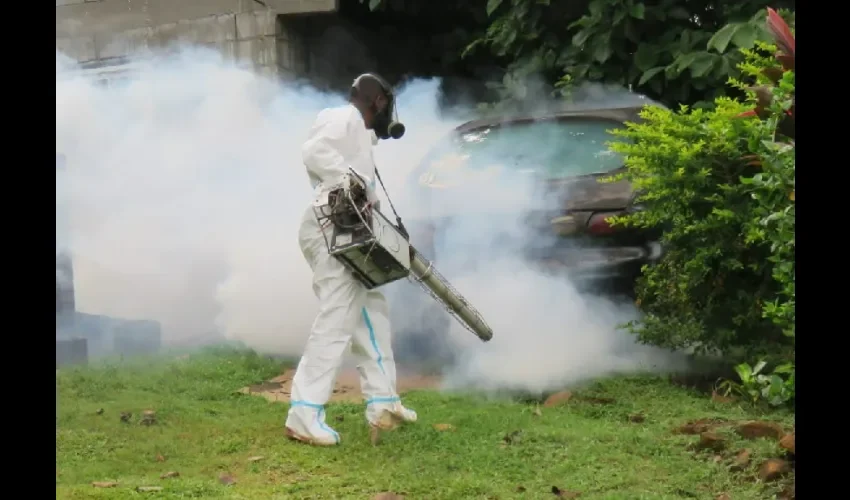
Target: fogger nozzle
441, 290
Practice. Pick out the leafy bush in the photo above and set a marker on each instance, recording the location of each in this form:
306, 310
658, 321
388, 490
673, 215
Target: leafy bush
674, 51
722, 187
775, 389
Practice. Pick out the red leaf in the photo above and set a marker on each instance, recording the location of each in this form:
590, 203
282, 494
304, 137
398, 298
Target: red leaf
747, 114
781, 32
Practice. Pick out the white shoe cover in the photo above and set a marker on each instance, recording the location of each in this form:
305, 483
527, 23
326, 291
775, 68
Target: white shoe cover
389, 415
306, 423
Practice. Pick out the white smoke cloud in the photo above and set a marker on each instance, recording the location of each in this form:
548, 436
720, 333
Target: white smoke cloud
181, 201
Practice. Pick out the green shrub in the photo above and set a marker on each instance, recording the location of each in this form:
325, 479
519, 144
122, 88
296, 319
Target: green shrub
776, 389
720, 182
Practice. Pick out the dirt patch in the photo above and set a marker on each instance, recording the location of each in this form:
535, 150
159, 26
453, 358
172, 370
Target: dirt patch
347, 388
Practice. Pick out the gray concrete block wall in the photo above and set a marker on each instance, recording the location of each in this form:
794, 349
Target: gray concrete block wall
244, 30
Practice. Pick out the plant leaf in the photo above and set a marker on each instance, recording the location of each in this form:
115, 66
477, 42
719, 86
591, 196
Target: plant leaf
638, 11
785, 368
744, 371
581, 37
780, 31
648, 74
601, 50
646, 56
492, 5
702, 64
745, 36
721, 39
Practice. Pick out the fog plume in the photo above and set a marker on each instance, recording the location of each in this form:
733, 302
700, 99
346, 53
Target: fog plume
183, 191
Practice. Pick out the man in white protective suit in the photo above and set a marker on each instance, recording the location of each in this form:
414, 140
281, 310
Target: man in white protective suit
341, 139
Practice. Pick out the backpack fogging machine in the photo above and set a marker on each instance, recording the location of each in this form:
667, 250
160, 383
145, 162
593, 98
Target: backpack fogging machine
378, 252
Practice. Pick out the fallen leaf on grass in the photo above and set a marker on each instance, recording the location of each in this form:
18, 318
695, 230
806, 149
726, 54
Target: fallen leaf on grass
104, 484
742, 460
512, 438
388, 495
227, 479
148, 489
557, 399
169, 474
558, 492
723, 496
256, 459
444, 427
148, 417
160, 458
719, 398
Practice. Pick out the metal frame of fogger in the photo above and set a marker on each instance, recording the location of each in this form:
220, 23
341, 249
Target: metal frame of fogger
377, 252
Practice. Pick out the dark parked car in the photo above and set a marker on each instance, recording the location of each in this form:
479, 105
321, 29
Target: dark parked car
563, 154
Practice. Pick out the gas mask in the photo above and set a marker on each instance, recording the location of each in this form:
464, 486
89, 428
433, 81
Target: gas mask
386, 123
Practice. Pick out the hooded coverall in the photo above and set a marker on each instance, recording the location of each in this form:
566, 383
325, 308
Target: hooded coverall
337, 142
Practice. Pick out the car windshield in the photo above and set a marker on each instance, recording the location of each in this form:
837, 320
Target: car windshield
549, 149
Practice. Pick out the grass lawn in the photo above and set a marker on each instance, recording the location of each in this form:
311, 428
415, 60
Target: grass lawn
495, 448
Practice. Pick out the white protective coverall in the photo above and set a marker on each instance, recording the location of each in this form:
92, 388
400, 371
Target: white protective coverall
348, 312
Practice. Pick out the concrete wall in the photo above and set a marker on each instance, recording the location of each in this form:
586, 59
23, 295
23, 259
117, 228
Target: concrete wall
249, 31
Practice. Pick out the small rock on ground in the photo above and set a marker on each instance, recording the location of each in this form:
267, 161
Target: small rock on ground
711, 441
773, 469
699, 426
758, 429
